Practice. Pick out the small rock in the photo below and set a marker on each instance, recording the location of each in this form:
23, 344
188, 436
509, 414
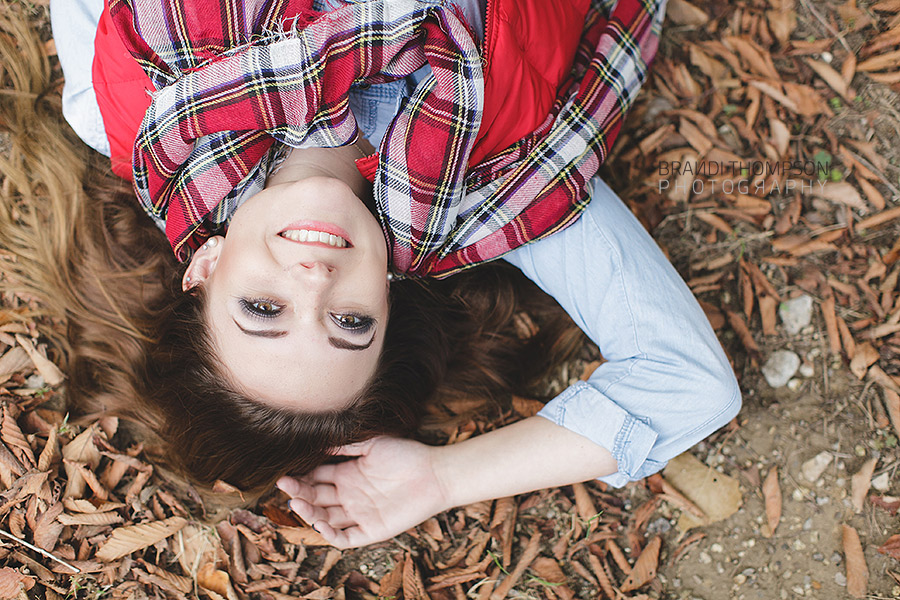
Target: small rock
780, 367
836, 558
35, 382
881, 483
814, 467
818, 556
822, 500
748, 572
807, 525
717, 547
797, 590
794, 384
840, 579
798, 545
807, 370
660, 525
705, 558
796, 313
740, 579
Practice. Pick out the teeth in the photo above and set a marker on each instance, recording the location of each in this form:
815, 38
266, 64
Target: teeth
307, 235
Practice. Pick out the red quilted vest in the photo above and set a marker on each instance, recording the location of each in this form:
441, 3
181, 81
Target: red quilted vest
529, 46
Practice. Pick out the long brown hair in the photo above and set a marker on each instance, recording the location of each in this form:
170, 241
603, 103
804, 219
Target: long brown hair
137, 346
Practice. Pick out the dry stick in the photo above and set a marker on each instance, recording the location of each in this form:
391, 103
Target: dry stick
865, 162
827, 25
40, 551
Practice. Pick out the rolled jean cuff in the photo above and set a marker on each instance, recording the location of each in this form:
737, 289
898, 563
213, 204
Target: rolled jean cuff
587, 412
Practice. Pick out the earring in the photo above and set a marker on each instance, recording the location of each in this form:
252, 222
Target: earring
390, 277
211, 243
188, 279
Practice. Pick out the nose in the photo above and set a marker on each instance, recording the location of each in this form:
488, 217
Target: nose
314, 274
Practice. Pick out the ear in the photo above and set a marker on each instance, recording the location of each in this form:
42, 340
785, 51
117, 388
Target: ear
203, 262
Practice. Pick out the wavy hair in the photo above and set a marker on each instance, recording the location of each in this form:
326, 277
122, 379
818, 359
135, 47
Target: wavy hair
135, 345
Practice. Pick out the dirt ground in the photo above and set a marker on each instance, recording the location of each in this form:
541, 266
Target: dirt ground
738, 256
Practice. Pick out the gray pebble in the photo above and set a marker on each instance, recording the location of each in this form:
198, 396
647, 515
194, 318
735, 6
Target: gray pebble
818, 556
807, 525
836, 558
840, 579
660, 525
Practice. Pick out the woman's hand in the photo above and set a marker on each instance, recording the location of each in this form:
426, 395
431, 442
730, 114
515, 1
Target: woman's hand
394, 484
389, 486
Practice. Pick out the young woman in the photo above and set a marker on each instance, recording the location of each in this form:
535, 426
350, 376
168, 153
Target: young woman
292, 342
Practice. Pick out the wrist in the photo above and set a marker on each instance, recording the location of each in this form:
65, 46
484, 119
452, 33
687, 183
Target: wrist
447, 484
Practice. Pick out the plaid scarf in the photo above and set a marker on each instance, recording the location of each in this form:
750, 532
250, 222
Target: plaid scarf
272, 70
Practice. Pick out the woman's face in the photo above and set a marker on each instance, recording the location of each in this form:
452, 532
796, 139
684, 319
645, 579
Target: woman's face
297, 294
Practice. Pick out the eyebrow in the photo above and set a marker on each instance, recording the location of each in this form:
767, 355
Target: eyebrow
277, 333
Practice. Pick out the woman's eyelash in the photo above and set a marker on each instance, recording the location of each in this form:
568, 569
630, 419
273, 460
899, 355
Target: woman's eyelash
260, 308
353, 322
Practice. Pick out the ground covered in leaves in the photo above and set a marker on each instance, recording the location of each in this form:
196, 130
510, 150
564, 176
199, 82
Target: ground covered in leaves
762, 156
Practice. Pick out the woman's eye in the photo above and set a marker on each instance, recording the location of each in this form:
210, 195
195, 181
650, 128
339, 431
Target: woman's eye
351, 322
260, 307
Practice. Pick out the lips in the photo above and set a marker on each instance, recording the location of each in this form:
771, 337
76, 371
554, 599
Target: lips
308, 236
318, 233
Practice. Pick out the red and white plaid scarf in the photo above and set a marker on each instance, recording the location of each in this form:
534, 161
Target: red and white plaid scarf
234, 76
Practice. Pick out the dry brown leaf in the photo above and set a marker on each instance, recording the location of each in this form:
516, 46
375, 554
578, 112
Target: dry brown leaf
860, 484
99, 518
683, 12
306, 536
743, 332
391, 582
47, 528
886, 78
583, 502
879, 218
82, 450
782, 23
892, 405
413, 587
13, 361
828, 314
125, 540
841, 192
871, 193
865, 356
715, 221
548, 569
528, 554
855, 560
50, 372
882, 61
767, 306
11, 581
776, 94
694, 136
644, 569
50, 454
772, 495
717, 494
781, 136
707, 65
834, 79
215, 580
891, 546
757, 58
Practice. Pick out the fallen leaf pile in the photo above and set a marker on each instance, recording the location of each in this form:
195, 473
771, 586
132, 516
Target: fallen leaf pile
759, 154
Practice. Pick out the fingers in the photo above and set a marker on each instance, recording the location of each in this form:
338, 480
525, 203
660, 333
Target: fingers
318, 494
335, 516
356, 449
350, 537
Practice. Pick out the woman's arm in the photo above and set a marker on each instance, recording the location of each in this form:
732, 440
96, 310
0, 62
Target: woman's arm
394, 484
666, 385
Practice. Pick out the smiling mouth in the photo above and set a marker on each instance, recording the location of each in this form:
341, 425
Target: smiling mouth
311, 236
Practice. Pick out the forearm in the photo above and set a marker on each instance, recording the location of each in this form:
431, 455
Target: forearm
525, 456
